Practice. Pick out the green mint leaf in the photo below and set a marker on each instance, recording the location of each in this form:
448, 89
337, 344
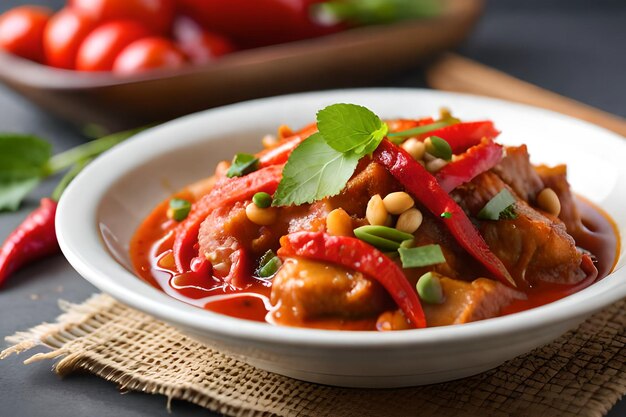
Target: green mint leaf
243, 164
22, 162
498, 206
12, 192
348, 127
314, 171
24, 149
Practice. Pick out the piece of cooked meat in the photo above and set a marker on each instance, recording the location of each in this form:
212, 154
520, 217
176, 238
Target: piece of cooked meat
532, 246
556, 178
464, 302
308, 290
369, 180
459, 264
469, 301
227, 229
517, 172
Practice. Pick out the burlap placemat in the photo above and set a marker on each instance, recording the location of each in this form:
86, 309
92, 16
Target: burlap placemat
583, 373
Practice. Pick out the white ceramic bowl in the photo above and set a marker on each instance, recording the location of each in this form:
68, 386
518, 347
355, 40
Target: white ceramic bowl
112, 196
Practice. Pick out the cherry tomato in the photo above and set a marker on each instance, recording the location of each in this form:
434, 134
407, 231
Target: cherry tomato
199, 45
63, 35
156, 14
251, 23
21, 31
99, 50
148, 53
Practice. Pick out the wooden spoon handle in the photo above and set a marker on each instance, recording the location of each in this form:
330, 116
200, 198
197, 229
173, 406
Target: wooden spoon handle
455, 73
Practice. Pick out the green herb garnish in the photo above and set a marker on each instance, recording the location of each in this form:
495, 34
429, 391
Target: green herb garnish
429, 288
501, 206
23, 159
268, 265
179, 209
398, 137
314, 171
243, 163
446, 215
324, 162
348, 127
439, 148
421, 256
382, 237
262, 200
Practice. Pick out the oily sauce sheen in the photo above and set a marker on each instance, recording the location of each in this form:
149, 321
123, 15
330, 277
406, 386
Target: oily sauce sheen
151, 253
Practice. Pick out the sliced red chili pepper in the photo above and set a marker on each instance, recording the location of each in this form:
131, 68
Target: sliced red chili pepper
462, 136
34, 238
427, 190
226, 191
281, 152
355, 254
398, 125
470, 164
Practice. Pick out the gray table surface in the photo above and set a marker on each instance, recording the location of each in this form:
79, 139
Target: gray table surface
574, 47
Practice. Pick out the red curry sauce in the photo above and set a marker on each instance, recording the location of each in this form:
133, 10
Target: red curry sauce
151, 253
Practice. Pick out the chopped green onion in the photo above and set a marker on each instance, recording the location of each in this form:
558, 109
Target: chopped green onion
421, 256
446, 215
243, 163
262, 200
439, 147
268, 265
409, 243
429, 288
381, 243
382, 237
179, 209
385, 232
501, 205
398, 137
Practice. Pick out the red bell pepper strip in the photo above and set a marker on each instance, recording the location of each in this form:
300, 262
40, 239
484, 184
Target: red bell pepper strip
462, 136
34, 238
473, 162
280, 153
226, 191
427, 190
355, 254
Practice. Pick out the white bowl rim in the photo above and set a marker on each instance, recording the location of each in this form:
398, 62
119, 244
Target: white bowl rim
81, 244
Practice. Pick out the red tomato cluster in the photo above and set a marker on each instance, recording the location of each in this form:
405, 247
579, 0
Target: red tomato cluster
123, 36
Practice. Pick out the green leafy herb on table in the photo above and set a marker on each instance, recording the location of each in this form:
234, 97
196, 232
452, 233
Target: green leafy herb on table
24, 161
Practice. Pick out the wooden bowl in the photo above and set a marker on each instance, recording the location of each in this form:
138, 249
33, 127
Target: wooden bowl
353, 57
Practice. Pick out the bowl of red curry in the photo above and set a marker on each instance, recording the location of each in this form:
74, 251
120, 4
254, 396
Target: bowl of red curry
313, 234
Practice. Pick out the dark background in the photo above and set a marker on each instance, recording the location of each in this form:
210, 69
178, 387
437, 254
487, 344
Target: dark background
574, 47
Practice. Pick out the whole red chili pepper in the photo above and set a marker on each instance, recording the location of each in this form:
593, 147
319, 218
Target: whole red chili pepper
470, 164
425, 188
356, 254
226, 191
33, 239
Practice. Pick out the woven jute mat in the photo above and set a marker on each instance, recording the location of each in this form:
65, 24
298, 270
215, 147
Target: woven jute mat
583, 373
